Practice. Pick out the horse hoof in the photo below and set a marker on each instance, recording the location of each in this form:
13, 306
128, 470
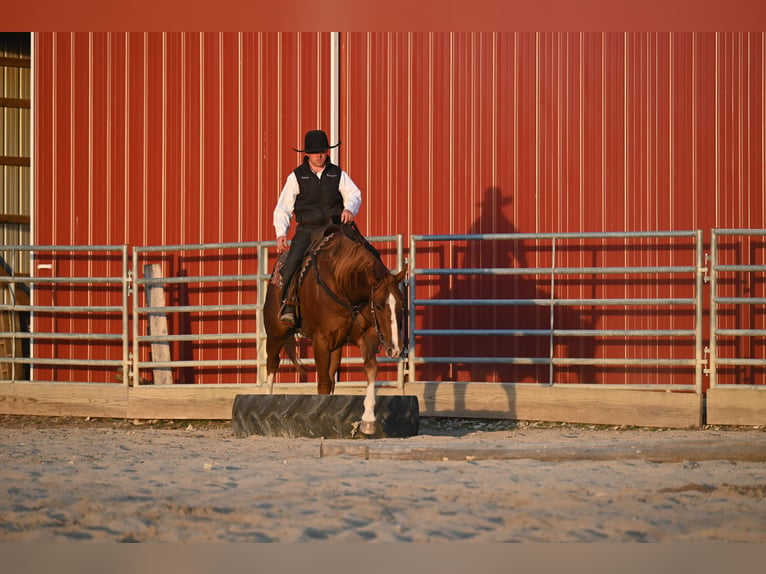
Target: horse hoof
367, 427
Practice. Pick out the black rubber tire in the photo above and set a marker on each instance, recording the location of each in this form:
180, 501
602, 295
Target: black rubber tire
328, 416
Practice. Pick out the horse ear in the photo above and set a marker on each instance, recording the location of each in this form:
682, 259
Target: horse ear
401, 275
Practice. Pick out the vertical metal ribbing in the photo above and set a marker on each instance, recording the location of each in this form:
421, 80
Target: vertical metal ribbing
126, 134
145, 200
182, 143
164, 137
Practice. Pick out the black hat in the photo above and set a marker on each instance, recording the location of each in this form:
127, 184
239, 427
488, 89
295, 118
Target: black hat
316, 141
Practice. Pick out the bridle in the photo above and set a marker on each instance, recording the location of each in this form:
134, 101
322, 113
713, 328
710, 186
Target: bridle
381, 342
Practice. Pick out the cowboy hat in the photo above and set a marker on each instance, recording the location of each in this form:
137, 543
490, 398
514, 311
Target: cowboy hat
316, 141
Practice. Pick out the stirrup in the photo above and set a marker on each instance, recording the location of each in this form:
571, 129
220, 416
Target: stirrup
287, 314
288, 318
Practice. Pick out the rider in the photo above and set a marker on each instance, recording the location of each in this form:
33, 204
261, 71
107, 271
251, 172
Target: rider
318, 192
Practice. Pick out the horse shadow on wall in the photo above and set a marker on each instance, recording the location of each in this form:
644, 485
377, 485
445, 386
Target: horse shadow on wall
521, 307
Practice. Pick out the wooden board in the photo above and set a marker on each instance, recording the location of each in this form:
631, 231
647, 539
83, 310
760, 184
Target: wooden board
561, 403
657, 451
736, 406
183, 401
64, 399
486, 400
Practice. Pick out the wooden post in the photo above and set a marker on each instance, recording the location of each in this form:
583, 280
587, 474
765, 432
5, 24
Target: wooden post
10, 322
158, 324
10, 347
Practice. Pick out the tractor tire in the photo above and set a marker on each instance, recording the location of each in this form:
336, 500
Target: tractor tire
326, 416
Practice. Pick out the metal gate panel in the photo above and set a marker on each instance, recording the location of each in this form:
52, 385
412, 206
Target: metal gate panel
80, 331
96, 327
531, 324
738, 308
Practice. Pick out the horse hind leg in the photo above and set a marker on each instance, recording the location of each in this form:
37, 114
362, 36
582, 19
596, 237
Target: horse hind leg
274, 346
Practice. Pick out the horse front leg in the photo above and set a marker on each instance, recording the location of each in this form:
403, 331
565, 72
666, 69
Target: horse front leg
323, 360
335, 358
368, 417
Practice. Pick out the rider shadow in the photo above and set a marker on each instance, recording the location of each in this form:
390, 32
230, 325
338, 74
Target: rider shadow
527, 313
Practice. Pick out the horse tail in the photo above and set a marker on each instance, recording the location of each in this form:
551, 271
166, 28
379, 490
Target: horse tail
291, 348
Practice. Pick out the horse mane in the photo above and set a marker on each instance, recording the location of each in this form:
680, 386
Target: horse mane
352, 259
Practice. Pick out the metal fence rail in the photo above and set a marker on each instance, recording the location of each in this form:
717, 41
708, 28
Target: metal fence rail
129, 347
55, 313
242, 281
694, 270
141, 314
116, 319
750, 274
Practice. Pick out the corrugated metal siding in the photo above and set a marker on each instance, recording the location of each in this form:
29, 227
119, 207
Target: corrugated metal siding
186, 138
555, 132
151, 139
634, 131
172, 138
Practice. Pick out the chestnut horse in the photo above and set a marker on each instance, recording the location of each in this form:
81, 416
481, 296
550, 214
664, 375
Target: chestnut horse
346, 294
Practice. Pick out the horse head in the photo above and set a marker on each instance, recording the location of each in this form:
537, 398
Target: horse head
387, 306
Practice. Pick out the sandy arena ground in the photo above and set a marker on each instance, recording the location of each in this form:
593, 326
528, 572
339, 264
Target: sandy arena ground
75, 480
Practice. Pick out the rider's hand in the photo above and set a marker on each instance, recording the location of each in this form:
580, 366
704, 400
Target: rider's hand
281, 243
346, 216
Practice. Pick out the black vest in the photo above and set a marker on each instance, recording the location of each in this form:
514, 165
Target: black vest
319, 201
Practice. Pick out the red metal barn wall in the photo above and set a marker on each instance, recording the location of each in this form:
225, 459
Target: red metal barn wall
481, 133
149, 139
155, 139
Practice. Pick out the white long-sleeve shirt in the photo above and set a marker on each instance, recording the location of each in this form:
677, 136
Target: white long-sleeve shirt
283, 212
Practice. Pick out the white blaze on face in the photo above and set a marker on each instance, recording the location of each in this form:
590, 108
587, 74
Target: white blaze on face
394, 321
